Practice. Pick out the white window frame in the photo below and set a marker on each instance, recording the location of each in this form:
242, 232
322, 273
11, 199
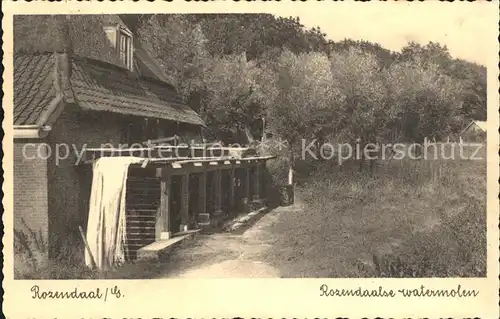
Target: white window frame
115, 34
129, 51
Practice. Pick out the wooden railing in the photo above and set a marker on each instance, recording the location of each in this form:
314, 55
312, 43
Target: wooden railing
175, 152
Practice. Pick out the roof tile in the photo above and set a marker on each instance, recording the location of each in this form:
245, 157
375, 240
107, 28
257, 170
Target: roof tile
33, 86
102, 88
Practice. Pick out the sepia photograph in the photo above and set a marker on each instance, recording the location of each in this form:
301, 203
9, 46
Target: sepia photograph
155, 146
250, 159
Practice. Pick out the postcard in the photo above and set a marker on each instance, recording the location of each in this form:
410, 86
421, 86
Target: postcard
253, 159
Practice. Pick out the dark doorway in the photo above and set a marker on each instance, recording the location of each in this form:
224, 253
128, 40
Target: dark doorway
225, 184
194, 197
239, 189
210, 192
175, 211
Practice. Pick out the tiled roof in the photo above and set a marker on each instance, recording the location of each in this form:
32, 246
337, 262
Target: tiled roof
103, 88
81, 34
99, 80
146, 66
481, 124
34, 86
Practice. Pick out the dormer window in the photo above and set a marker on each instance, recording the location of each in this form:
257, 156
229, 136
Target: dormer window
125, 49
121, 39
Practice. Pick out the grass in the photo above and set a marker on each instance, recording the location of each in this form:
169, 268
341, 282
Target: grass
406, 219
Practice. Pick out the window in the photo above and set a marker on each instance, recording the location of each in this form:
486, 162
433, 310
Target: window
122, 41
133, 132
151, 129
136, 130
125, 49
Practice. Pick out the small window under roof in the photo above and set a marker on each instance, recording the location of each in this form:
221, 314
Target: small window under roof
122, 41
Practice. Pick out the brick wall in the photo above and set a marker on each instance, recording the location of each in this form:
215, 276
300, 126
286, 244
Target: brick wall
30, 188
69, 183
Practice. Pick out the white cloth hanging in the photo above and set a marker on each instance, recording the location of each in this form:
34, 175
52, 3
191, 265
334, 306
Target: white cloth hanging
107, 221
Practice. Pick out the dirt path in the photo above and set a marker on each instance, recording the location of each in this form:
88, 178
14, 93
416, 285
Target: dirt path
229, 255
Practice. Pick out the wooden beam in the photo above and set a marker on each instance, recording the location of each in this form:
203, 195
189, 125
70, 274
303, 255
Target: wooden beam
202, 191
217, 192
231, 189
203, 216
246, 187
256, 183
184, 202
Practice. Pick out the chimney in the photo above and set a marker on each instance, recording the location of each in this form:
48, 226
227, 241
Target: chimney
64, 63
64, 74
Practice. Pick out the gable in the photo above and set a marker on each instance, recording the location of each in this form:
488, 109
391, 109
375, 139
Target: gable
481, 125
475, 126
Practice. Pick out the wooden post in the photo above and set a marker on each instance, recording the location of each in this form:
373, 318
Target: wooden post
231, 189
246, 187
184, 203
87, 247
162, 220
203, 216
217, 192
256, 183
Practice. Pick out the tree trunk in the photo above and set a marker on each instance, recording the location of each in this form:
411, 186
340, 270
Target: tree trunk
361, 162
248, 134
291, 191
372, 165
362, 157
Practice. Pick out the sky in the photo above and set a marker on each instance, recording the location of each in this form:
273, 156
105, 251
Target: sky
462, 27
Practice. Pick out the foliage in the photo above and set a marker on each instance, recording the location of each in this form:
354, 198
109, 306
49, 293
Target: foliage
235, 94
471, 76
257, 34
363, 111
180, 48
301, 105
31, 258
241, 67
424, 102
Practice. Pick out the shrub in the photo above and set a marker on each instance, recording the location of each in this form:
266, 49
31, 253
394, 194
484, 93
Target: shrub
31, 258
457, 248
30, 251
278, 171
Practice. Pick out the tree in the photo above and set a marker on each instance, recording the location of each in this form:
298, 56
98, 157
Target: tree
384, 56
431, 53
473, 78
244, 66
256, 34
301, 105
426, 102
235, 96
363, 102
179, 46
